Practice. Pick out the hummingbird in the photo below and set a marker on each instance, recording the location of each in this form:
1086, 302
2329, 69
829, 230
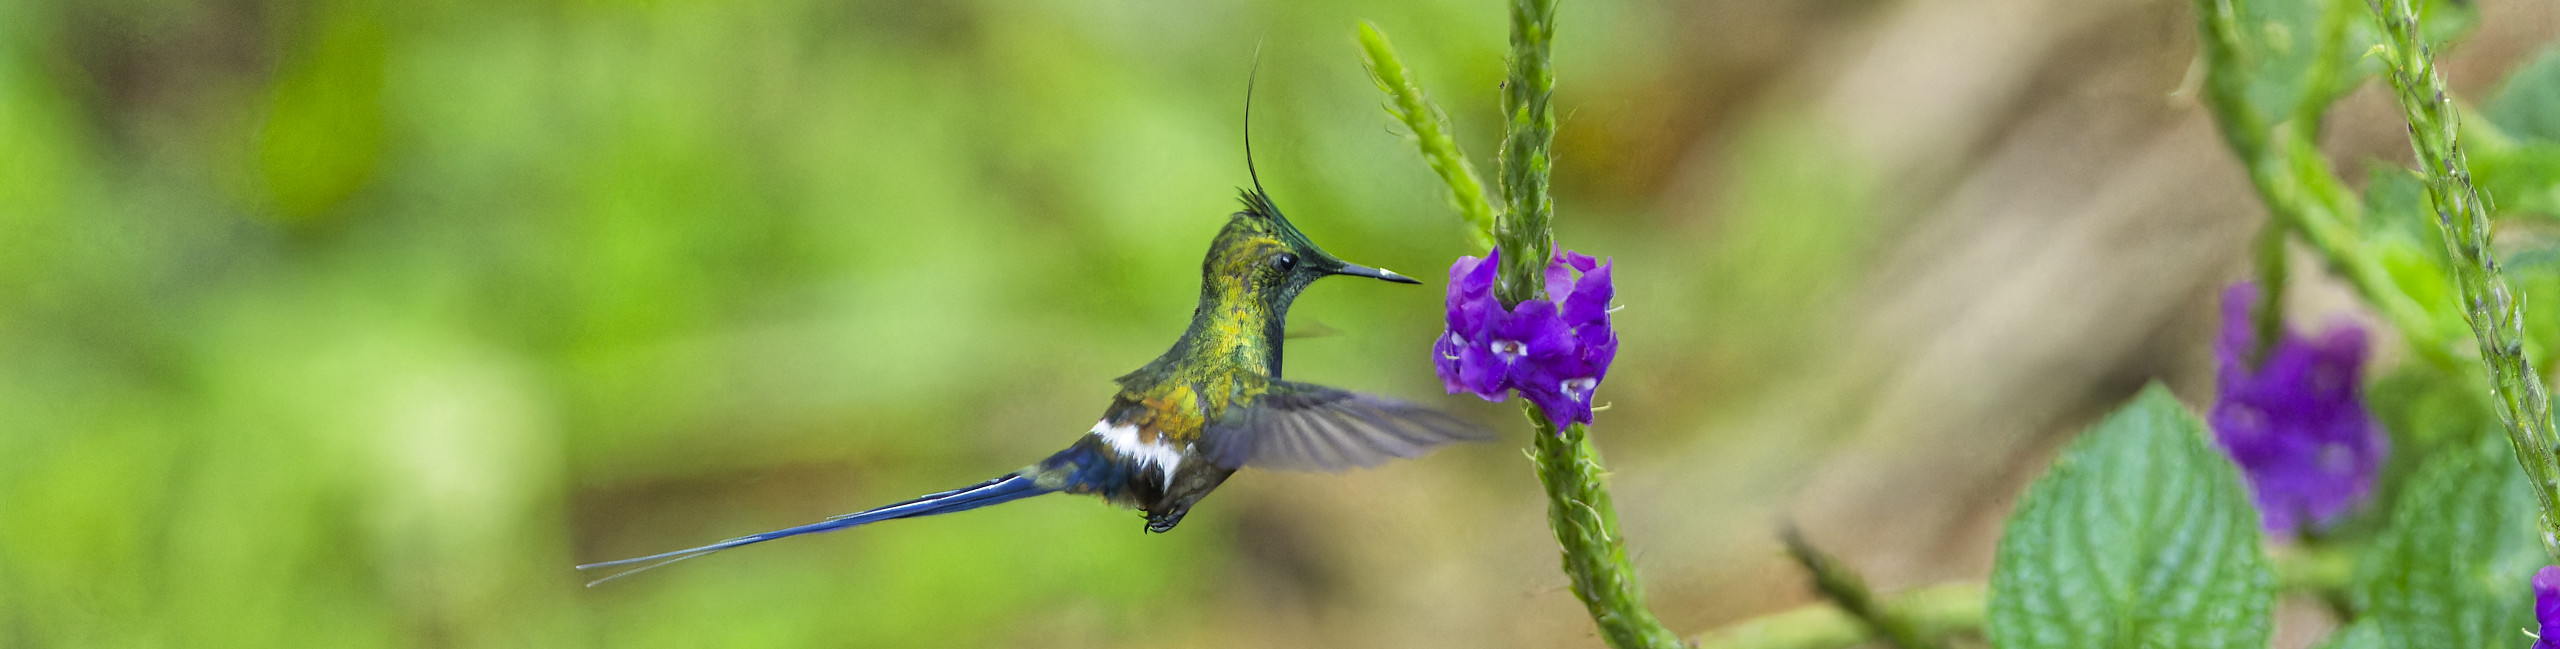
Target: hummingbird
1212, 404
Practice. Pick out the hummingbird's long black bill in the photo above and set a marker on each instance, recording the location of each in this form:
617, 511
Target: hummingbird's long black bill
1374, 273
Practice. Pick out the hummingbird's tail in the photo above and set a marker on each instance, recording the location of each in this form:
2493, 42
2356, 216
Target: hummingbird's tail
1000, 490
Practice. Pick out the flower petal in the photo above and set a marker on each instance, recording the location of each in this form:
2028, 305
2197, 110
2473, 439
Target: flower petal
1534, 324
1563, 388
1559, 280
1472, 279
1579, 262
1599, 346
1590, 300
2546, 606
1560, 408
1483, 372
1474, 317
1445, 361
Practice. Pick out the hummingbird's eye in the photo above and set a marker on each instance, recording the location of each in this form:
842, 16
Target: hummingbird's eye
1284, 261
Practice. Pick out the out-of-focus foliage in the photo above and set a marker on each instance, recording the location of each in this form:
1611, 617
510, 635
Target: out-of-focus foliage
2528, 103
355, 323
2521, 170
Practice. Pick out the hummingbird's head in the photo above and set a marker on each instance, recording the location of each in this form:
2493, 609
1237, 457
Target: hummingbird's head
1261, 254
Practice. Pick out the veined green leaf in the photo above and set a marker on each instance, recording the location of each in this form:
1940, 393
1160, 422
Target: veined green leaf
2454, 568
2141, 535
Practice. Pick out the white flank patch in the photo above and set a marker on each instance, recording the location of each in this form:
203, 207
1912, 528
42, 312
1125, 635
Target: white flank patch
1125, 440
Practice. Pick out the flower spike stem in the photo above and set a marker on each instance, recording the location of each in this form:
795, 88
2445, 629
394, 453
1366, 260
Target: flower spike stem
1579, 507
2494, 311
1430, 129
1586, 524
1523, 232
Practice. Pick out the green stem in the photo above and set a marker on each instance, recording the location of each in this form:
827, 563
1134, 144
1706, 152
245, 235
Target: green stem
1848, 591
1579, 507
1936, 612
1523, 232
2271, 280
1430, 129
2495, 315
1948, 610
1585, 520
2300, 189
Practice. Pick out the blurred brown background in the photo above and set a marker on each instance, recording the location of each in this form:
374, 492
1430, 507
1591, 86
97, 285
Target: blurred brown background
355, 323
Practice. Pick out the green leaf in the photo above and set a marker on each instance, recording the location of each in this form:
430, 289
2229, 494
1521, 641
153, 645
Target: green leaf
2395, 204
2292, 58
2528, 102
2427, 410
2455, 567
2522, 178
2141, 535
2283, 48
2517, 158
2399, 230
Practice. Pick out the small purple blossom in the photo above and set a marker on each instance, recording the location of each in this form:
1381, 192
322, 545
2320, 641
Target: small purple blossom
1554, 351
2546, 607
2296, 422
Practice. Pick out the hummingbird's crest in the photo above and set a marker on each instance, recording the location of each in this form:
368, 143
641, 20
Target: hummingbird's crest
1260, 230
1256, 201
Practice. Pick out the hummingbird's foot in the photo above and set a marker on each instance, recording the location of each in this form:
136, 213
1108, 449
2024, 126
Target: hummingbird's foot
1164, 522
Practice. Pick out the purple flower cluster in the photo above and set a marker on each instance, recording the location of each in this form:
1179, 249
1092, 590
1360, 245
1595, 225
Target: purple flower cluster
2546, 607
2296, 422
1554, 351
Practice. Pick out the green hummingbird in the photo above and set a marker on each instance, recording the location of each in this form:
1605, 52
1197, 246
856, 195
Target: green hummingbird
1212, 404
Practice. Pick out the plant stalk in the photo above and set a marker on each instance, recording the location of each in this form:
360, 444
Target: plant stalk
1430, 132
1579, 507
2495, 312
2296, 182
1523, 233
1838, 583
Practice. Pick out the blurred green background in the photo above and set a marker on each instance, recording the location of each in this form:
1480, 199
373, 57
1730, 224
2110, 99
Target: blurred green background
356, 323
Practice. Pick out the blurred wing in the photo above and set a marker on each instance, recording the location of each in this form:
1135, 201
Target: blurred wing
1303, 427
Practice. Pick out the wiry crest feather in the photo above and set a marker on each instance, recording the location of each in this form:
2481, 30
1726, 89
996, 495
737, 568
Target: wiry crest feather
1256, 202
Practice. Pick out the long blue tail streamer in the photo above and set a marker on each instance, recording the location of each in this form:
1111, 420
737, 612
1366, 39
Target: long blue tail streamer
1000, 490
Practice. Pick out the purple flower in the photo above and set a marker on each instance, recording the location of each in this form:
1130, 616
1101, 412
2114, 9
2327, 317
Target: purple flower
1554, 351
2295, 423
2546, 607
1586, 309
1586, 299
1471, 307
1563, 388
1511, 345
